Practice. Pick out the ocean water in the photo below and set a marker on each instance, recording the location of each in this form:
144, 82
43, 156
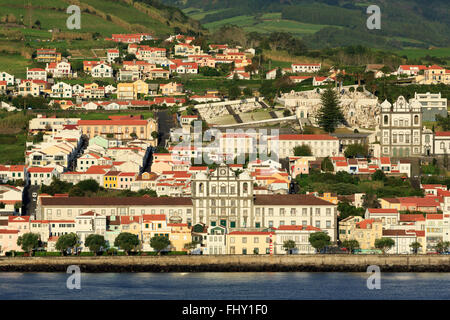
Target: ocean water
221, 286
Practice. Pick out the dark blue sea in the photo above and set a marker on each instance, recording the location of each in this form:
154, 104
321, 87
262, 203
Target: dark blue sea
236, 286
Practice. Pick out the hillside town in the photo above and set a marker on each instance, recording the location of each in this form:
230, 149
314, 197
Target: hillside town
123, 148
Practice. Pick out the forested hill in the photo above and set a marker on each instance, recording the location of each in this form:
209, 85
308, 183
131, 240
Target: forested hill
412, 23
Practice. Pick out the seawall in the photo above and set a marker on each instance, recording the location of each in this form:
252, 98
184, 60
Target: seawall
235, 263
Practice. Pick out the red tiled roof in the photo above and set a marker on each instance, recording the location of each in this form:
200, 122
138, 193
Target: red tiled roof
299, 228
435, 216
411, 217
380, 210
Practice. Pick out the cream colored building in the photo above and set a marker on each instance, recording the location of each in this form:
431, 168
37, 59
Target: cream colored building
365, 231
321, 145
249, 242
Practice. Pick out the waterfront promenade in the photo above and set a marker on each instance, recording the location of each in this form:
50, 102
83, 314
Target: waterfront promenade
231, 263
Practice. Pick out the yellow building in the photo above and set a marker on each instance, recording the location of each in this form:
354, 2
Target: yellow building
121, 127
390, 203
365, 231
129, 91
249, 242
153, 225
180, 235
327, 196
110, 180
48, 55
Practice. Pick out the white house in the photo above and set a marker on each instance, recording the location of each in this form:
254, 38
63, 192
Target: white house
4, 76
112, 54
306, 67
42, 175
61, 90
36, 74
102, 70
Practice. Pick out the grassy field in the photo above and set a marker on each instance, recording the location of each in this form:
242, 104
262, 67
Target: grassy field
14, 64
50, 19
127, 13
268, 22
415, 53
12, 148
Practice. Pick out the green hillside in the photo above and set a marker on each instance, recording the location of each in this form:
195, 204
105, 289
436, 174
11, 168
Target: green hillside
102, 16
322, 23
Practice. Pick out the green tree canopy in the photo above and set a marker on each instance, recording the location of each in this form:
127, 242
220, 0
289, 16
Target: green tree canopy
28, 241
350, 245
378, 175
415, 246
302, 151
289, 245
327, 165
346, 210
95, 242
66, 241
159, 243
442, 246
354, 150
126, 241
89, 185
319, 240
384, 244
330, 114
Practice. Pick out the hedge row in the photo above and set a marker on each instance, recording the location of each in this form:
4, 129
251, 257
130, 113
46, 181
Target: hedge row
91, 254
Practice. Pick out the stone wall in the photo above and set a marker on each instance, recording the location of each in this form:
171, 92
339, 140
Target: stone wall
229, 263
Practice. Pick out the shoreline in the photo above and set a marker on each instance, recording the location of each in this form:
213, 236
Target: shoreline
297, 263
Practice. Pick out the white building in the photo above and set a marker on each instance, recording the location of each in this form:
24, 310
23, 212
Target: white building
42, 175
4, 76
401, 129
321, 145
102, 70
306, 67
36, 74
61, 90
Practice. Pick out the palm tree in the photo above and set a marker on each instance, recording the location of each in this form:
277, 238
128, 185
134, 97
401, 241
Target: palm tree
415, 246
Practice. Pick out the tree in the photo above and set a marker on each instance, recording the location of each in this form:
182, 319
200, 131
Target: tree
302, 151
95, 242
126, 241
191, 245
346, 210
415, 246
330, 114
159, 243
442, 246
89, 185
354, 150
66, 241
234, 92
350, 245
319, 240
327, 165
28, 241
384, 244
248, 92
378, 176
76, 192
370, 201
289, 245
